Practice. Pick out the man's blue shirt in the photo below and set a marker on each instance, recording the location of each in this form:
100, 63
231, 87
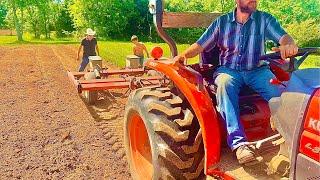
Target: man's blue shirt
241, 45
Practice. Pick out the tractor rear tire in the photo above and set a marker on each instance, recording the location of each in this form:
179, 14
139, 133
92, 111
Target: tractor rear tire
162, 136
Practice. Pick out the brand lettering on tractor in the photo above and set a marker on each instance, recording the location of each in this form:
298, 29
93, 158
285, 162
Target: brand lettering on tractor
314, 124
315, 149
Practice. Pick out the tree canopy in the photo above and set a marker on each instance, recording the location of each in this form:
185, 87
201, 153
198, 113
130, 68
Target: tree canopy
119, 19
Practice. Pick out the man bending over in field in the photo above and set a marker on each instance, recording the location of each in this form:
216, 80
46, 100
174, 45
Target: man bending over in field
138, 49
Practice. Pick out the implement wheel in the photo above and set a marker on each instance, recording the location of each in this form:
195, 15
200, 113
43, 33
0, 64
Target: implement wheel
90, 97
162, 136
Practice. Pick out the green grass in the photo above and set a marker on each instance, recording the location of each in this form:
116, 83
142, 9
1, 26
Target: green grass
28, 39
116, 52
4, 40
112, 51
312, 61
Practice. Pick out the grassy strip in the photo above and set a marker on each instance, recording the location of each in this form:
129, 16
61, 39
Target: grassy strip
116, 52
12, 40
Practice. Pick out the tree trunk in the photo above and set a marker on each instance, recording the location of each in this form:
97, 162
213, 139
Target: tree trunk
16, 22
22, 21
49, 32
46, 25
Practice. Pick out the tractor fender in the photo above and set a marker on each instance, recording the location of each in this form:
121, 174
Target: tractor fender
201, 103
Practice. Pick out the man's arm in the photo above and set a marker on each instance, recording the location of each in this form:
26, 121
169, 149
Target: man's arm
97, 48
134, 50
191, 52
207, 40
79, 50
287, 47
145, 49
276, 33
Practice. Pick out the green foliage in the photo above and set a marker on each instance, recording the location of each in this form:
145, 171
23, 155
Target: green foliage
191, 35
289, 11
16, 15
306, 33
120, 19
109, 18
200, 5
64, 24
141, 24
300, 19
40, 17
3, 13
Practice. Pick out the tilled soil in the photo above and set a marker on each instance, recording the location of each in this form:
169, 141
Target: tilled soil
46, 129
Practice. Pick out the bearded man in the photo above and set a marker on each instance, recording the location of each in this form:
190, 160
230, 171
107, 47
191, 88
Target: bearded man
240, 36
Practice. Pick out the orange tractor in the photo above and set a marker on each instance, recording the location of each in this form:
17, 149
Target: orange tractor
173, 130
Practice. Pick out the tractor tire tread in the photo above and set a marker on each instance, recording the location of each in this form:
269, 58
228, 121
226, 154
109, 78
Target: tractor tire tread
177, 134
187, 120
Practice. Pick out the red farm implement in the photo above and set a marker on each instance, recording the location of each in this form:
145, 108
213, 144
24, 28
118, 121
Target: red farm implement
101, 79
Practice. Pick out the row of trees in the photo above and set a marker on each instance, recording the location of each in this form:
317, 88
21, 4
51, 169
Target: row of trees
119, 19
113, 18
301, 18
38, 17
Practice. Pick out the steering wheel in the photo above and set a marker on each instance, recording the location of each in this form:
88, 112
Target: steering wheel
294, 62
275, 61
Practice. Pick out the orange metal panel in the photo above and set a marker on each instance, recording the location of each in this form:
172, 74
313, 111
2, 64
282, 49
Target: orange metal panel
310, 138
310, 145
312, 122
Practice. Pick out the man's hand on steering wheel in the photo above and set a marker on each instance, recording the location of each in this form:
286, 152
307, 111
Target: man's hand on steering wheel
194, 50
286, 51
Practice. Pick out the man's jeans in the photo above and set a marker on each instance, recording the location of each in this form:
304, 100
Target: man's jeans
229, 83
84, 63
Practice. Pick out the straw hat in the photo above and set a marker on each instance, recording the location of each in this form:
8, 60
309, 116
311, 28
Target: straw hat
134, 37
90, 32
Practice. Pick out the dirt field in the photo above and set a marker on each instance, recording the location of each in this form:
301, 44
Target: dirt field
47, 131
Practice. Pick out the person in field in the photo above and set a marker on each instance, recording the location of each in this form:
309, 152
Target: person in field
139, 49
90, 48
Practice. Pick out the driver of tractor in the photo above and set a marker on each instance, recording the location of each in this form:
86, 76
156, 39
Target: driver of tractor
240, 35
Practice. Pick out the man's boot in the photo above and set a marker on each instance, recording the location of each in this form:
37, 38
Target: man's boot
245, 154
